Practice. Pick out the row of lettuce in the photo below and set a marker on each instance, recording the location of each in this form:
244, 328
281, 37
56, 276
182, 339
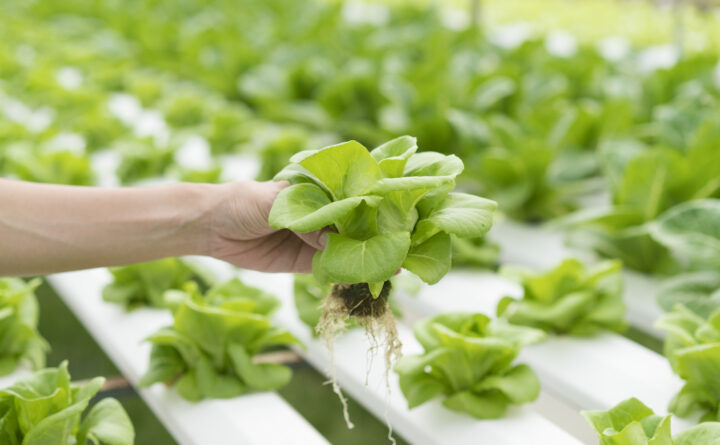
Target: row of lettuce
538, 128
214, 348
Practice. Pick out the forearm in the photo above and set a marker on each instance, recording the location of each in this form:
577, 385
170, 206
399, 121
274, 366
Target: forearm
49, 228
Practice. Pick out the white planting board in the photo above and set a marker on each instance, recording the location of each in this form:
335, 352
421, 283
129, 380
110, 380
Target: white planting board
252, 419
587, 372
543, 248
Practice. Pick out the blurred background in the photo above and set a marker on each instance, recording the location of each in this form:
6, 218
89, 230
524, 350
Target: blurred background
546, 101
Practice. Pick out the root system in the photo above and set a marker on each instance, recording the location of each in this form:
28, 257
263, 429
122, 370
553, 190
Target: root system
373, 314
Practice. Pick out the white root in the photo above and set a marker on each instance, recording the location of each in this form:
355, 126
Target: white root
382, 334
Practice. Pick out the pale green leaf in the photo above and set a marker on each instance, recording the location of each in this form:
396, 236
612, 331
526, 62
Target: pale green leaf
431, 259
346, 260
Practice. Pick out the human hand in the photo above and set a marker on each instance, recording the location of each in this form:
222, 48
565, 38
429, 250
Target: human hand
240, 233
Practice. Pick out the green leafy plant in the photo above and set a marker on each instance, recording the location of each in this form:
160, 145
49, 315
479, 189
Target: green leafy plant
20, 340
144, 284
185, 107
468, 360
53, 167
692, 346
692, 230
630, 422
142, 160
211, 349
478, 252
46, 408
228, 127
645, 182
570, 299
309, 296
389, 208
697, 291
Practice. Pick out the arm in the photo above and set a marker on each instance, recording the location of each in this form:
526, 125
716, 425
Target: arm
50, 228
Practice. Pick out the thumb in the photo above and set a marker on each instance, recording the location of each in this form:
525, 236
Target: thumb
316, 239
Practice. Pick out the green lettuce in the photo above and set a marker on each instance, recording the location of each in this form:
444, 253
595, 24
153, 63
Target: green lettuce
704, 434
309, 297
209, 351
389, 208
630, 422
228, 127
692, 346
144, 284
52, 167
570, 299
46, 408
20, 340
141, 160
692, 230
185, 107
468, 360
645, 183
478, 252
697, 291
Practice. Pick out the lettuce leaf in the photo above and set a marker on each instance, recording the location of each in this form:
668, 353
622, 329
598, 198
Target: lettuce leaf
692, 346
20, 340
468, 360
208, 351
640, 227
630, 423
697, 291
569, 299
692, 230
144, 284
46, 408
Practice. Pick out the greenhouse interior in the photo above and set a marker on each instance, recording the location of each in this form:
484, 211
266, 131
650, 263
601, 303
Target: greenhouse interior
486, 222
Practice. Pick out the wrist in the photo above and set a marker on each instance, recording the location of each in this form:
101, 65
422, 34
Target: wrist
198, 205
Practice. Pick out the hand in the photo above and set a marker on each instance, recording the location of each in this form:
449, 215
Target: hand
240, 233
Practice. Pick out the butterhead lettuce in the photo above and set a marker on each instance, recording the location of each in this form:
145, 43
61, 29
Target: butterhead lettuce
389, 208
569, 299
20, 340
46, 408
693, 347
468, 361
208, 350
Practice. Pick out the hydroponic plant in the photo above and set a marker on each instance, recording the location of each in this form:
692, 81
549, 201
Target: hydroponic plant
692, 346
20, 340
388, 208
46, 408
468, 361
645, 182
478, 253
630, 422
309, 296
570, 299
697, 291
210, 350
691, 230
144, 284
37, 164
